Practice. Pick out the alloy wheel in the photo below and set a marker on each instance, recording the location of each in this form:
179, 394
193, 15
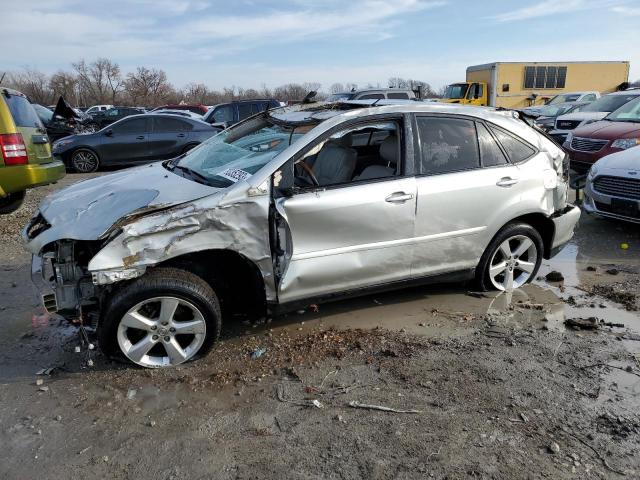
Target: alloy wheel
161, 332
85, 161
513, 263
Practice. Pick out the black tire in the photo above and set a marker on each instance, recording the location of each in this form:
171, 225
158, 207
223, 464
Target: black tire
161, 281
11, 202
483, 279
85, 160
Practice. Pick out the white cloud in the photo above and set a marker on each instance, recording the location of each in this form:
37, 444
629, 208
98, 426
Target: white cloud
551, 7
357, 17
629, 11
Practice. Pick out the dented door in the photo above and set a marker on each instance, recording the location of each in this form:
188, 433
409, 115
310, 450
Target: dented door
346, 238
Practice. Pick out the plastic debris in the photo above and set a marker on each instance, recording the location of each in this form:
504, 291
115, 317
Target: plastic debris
257, 353
355, 404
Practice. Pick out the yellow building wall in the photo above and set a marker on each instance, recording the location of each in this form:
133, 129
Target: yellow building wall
600, 77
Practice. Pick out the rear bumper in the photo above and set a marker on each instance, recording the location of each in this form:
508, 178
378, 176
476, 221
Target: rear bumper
565, 222
21, 177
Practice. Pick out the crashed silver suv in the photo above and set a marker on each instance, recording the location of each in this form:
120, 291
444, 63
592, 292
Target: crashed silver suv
295, 206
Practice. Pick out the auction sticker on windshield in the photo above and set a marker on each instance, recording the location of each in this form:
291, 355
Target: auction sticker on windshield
234, 174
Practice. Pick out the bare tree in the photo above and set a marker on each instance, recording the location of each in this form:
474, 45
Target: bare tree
64, 84
148, 86
336, 88
33, 84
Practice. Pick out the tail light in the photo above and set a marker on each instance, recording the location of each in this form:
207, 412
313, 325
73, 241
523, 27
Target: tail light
14, 151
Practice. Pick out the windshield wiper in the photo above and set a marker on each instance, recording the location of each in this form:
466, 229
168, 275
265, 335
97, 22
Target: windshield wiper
195, 176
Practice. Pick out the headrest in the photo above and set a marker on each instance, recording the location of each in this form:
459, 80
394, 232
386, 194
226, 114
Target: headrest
344, 141
389, 149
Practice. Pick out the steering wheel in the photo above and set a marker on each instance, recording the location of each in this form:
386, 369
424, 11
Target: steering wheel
309, 171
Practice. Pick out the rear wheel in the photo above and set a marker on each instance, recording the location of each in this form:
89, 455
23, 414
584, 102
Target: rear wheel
85, 161
11, 202
512, 259
163, 319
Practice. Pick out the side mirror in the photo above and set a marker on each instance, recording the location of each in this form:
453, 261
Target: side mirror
109, 133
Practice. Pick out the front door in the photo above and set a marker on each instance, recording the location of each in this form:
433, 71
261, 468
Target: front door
126, 141
353, 230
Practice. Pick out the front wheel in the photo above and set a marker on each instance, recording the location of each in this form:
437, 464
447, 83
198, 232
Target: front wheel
512, 258
163, 319
85, 161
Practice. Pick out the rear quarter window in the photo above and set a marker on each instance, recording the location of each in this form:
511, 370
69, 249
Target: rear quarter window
23, 113
517, 150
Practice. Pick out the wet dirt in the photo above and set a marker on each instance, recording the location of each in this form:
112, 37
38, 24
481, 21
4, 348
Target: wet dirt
497, 379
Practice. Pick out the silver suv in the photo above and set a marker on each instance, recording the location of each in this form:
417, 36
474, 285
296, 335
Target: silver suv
294, 206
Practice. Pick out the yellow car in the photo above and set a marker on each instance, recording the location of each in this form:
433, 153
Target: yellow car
25, 152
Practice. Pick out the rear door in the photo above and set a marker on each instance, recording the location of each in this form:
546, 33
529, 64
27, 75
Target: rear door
466, 188
28, 124
169, 138
127, 142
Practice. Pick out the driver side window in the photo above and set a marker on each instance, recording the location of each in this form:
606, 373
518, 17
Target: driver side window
366, 151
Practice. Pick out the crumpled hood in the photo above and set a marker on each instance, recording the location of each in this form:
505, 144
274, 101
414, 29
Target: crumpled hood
87, 209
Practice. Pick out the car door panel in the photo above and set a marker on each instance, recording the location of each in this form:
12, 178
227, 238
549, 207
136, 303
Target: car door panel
466, 193
348, 237
127, 143
457, 214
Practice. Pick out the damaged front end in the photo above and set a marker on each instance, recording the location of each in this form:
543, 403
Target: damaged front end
60, 273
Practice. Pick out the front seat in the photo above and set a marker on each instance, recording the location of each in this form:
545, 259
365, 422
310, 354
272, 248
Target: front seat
389, 154
336, 161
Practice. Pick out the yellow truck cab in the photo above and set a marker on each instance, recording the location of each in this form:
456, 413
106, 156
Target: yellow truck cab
25, 152
468, 93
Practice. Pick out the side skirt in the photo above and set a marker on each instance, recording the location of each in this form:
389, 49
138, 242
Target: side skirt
275, 309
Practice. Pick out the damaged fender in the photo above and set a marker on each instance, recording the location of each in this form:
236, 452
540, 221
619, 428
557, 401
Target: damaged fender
224, 221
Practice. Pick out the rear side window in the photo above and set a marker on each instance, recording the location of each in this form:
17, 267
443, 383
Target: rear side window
171, 125
23, 113
398, 96
490, 151
244, 110
131, 126
223, 113
447, 145
516, 149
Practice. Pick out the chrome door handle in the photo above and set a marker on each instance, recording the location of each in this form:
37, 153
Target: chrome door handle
506, 182
398, 197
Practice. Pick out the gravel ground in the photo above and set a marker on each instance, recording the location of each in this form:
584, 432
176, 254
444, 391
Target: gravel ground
475, 386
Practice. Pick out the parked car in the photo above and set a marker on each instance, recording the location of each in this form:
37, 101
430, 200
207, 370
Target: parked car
107, 117
181, 113
25, 152
560, 99
97, 109
619, 130
374, 94
597, 110
64, 120
300, 205
195, 108
547, 114
226, 114
133, 140
613, 186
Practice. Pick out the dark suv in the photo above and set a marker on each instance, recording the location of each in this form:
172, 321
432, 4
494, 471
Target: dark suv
107, 117
227, 114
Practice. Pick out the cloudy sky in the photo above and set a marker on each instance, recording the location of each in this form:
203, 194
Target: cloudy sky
251, 42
